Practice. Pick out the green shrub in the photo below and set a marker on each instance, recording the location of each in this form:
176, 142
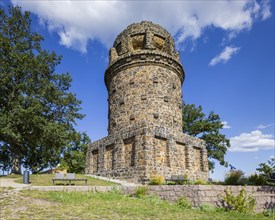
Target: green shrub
243, 181
141, 191
200, 182
156, 180
233, 177
240, 203
171, 183
257, 179
183, 202
217, 182
206, 207
269, 212
265, 170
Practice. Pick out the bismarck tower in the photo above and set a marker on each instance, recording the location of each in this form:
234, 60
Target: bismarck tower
144, 80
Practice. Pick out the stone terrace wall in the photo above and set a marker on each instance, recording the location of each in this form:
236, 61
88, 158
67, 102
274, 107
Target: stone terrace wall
199, 194
140, 153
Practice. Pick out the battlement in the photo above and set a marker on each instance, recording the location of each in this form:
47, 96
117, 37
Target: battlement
144, 36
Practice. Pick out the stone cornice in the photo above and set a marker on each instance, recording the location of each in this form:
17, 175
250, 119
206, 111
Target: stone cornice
143, 58
153, 131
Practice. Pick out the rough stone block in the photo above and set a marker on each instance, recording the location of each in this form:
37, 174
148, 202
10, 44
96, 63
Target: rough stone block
143, 97
143, 57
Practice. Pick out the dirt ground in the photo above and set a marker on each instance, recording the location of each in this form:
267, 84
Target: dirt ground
15, 205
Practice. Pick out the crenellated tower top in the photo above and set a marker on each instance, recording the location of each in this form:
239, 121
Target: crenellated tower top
143, 42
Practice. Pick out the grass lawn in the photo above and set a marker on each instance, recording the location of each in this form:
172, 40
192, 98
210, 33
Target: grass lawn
112, 205
46, 180
11, 176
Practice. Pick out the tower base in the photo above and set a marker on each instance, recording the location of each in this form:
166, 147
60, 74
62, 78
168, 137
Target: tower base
139, 154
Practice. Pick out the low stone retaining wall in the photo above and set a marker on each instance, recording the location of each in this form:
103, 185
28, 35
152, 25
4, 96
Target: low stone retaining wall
212, 194
197, 194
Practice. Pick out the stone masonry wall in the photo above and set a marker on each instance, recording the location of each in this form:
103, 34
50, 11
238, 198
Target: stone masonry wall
150, 94
144, 79
139, 154
212, 194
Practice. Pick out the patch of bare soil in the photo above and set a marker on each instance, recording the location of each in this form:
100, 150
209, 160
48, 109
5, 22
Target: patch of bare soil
15, 205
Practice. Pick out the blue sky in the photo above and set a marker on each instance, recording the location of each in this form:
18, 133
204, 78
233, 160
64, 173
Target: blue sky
226, 47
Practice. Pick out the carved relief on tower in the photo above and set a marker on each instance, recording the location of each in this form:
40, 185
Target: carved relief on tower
138, 42
159, 42
144, 36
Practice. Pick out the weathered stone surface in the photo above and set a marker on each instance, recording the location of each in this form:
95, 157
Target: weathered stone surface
214, 194
144, 80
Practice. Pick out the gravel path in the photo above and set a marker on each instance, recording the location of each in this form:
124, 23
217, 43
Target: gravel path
11, 183
121, 182
4, 182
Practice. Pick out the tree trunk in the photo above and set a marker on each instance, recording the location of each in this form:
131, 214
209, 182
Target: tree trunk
16, 164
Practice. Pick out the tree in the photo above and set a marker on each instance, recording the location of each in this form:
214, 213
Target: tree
263, 177
5, 158
234, 177
207, 128
267, 168
75, 154
37, 110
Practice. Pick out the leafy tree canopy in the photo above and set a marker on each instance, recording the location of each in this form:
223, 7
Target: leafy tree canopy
267, 168
207, 128
75, 154
37, 110
264, 176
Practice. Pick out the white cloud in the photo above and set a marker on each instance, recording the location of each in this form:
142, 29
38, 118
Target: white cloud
78, 22
224, 56
225, 125
266, 10
264, 126
251, 142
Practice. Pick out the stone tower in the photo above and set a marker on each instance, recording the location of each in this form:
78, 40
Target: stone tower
144, 80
